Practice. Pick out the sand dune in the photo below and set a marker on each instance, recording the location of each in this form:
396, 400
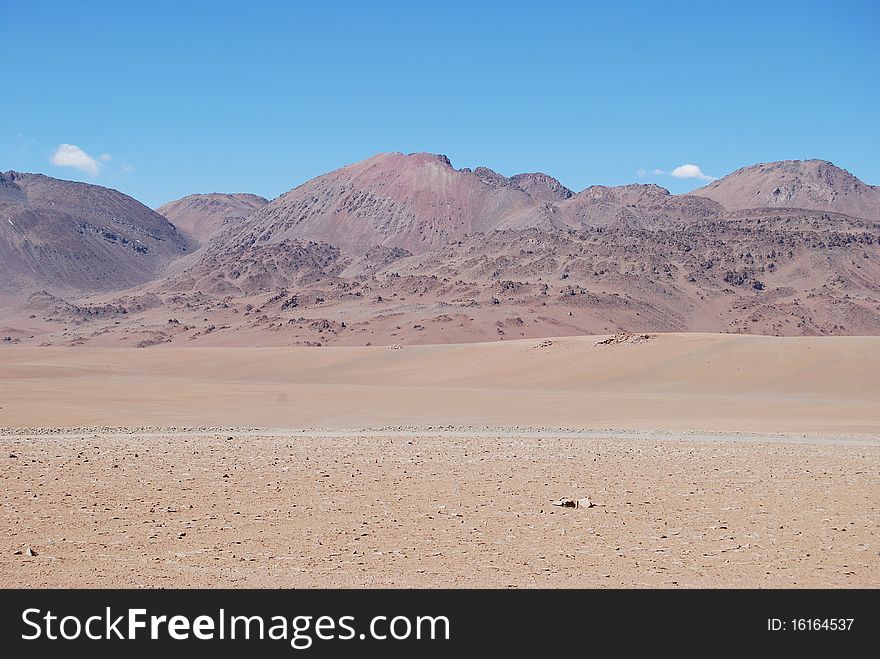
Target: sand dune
670, 382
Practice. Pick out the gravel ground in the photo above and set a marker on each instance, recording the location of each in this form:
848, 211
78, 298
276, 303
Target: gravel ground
436, 507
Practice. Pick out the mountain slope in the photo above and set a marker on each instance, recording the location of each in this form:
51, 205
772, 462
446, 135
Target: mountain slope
202, 216
635, 205
788, 272
76, 238
810, 184
416, 202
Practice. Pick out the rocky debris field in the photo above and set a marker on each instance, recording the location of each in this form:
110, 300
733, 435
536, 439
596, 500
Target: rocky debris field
457, 508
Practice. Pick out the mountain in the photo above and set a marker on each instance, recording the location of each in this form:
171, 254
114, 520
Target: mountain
809, 184
635, 205
417, 202
202, 216
420, 202
76, 238
542, 187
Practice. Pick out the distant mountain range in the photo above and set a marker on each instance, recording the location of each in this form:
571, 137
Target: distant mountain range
409, 248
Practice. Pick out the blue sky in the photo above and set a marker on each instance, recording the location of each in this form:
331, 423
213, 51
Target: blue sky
187, 96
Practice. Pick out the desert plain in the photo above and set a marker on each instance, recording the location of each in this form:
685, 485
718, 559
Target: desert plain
412, 297
711, 460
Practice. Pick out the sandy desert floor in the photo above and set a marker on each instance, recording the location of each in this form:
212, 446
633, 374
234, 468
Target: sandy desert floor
713, 460
670, 382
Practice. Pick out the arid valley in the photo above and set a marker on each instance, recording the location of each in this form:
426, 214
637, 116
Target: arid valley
439, 329
397, 373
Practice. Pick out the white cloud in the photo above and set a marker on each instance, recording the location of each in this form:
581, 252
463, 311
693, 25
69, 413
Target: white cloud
683, 171
641, 173
690, 171
105, 157
70, 155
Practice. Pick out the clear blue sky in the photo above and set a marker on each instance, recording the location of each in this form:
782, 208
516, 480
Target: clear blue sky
190, 96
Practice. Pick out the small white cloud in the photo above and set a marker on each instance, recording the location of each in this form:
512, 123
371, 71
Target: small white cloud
641, 173
126, 168
70, 155
105, 157
658, 172
690, 171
